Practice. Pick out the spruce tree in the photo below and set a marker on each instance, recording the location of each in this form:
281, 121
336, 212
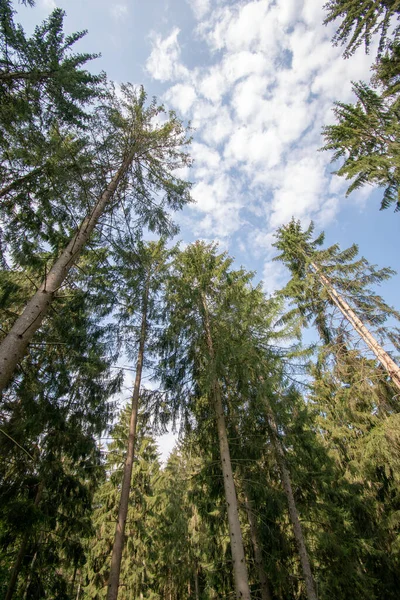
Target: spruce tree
145, 158
51, 416
365, 138
141, 269
330, 277
204, 311
361, 20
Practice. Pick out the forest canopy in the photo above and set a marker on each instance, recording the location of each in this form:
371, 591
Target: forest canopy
285, 479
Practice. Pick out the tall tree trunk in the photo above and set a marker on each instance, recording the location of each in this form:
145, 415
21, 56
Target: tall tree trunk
383, 357
265, 589
238, 558
113, 581
21, 553
28, 583
14, 345
294, 515
196, 583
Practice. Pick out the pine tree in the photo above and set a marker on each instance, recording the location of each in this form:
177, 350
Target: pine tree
204, 307
331, 277
146, 156
361, 20
142, 269
366, 138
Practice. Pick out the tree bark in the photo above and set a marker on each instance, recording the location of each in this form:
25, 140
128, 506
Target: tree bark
383, 357
242, 588
35, 76
196, 583
265, 589
15, 344
113, 581
21, 553
10, 186
294, 515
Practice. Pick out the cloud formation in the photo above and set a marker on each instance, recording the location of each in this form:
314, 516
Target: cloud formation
258, 106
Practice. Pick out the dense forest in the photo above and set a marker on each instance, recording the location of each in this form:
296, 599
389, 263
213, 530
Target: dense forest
285, 481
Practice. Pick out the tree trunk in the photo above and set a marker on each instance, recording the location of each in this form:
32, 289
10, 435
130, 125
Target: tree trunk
238, 558
265, 589
28, 583
113, 581
196, 583
21, 553
294, 515
10, 186
383, 357
35, 76
14, 345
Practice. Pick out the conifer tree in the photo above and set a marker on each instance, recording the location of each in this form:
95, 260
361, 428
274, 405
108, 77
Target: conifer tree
141, 268
204, 306
361, 20
332, 277
50, 418
366, 137
146, 156
140, 554
358, 422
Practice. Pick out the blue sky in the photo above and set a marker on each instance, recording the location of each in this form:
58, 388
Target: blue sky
258, 80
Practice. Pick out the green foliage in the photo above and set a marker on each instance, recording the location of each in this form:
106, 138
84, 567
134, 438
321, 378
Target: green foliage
366, 138
349, 275
51, 416
361, 19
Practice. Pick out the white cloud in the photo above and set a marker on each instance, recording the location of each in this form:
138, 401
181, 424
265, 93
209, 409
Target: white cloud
118, 11
164, 60
274, 276
49, 5
258, 108
200, 7
181, 96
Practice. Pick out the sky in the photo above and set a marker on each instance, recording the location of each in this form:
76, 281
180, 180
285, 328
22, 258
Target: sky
257, 80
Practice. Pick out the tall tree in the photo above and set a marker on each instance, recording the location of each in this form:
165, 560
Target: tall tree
146, 155
140, 552
203, 303
331, 277
50, 418
142, 270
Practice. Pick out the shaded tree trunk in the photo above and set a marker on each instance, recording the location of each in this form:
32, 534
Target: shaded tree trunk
294, 515
113, 581
196, 583
15, 344
382, 356
265, 588
238, 558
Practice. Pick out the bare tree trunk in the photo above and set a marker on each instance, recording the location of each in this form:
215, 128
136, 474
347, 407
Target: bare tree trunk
294, 515
383, 357
14, 345
196, 583
238, 558
113, 581
265, 589
21, 553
